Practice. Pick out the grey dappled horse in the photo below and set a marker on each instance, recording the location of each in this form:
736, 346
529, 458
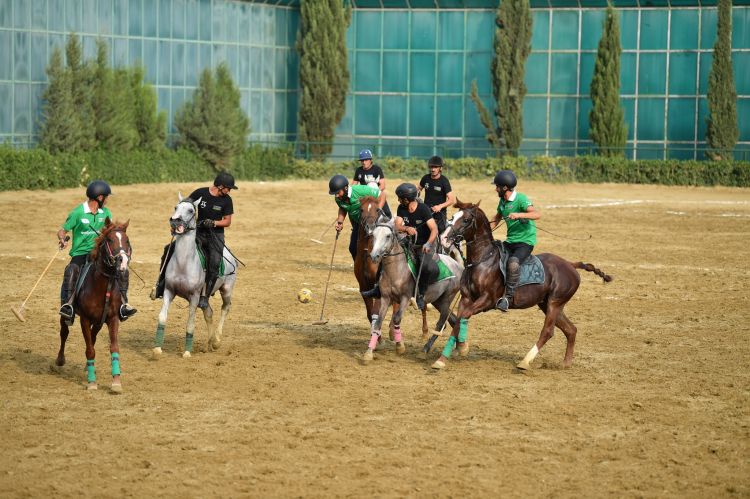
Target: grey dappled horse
185, 277
397, 284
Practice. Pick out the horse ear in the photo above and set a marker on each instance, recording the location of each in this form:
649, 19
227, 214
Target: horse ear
179, 196
125, 225
478, 203
197, 201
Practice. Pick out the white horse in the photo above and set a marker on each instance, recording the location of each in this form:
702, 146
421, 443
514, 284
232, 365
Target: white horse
185, 277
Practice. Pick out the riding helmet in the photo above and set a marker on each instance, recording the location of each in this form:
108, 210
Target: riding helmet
407, 191
98, 188
365, 154
505, 178
435, 161
337, 183
226, 179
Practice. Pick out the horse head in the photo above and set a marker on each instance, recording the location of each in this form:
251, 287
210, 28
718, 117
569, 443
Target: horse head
383, 239
464, 224
183, 219
371, 214
113, 247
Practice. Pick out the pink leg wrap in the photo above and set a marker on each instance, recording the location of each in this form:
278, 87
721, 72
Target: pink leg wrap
373, 341
397, 334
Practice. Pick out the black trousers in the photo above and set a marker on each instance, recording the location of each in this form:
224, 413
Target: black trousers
430, 270
212, 244
518, 250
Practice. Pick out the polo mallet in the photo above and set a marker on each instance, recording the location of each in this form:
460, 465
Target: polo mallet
321, 321
18, 312
323, 234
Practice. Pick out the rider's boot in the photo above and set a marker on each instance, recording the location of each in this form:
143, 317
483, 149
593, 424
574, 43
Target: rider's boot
210, 282
158, 290
371, 293
514, 275
126, 310
421, 288
67, 292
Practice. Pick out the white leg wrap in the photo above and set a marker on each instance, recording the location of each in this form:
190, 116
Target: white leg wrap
531, 355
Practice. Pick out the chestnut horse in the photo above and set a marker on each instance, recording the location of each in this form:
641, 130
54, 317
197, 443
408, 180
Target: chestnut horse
482, 285
98, 299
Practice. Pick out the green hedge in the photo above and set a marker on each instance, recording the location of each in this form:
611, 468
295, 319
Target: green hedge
37, 169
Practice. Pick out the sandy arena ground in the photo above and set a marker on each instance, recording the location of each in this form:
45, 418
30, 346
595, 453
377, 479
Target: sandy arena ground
657, 403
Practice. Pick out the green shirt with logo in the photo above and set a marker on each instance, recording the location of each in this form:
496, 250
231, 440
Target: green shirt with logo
353, 205
85, 227
518, 232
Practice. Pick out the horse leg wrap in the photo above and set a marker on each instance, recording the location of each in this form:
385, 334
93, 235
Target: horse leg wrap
449, 345
115, 364
90, 371
397, 334
463, 330
188, 342
374, 340
160, 335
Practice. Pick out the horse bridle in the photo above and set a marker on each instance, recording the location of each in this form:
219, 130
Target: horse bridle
395, 239
174, 224
110, 258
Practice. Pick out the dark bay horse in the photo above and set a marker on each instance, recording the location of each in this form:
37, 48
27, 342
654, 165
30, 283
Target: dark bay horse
482, 285
98, 299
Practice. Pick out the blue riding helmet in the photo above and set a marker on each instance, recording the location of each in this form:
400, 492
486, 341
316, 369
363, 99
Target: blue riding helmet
365, 154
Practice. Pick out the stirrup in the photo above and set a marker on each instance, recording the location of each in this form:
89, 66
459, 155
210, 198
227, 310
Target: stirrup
371, 293
203, 302
66, 310
503, 304
126, 311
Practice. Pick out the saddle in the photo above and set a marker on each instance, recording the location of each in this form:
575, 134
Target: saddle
444, 272
532, 270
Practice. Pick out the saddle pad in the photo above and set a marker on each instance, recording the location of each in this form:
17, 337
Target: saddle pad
532, 271
203, 261
444, 271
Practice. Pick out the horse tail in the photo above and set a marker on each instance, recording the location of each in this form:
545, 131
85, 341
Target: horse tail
590, 268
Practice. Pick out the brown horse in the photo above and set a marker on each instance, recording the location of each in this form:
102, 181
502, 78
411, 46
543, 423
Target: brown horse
98, 299
482, 285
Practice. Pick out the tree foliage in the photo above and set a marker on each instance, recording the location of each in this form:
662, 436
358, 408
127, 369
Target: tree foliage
512, 48
112, 104
323, 73
81, 76
213, 123
607, 119
722, 132
60, 124
150, 123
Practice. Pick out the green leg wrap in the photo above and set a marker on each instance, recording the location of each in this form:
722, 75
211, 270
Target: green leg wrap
159, 335
115, 364
90, 371
463, 330
188, 342
449, 345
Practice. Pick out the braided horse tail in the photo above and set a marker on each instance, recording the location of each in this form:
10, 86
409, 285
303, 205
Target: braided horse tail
590, 268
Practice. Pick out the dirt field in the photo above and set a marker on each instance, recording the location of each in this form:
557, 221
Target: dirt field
657, 403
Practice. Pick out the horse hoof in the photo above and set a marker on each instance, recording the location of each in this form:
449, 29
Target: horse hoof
92, 386
523, 365
116, 388
463, 350
186, 355
400, 348
438, 364
367, 356
215, 344
156, 352
60, 361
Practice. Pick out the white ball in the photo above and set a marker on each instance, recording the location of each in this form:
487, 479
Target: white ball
304, 295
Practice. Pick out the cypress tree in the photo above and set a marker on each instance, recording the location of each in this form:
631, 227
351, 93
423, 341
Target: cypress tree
607, 119
112, 106
323, 73
60, 126
81, 75
722, 132
512, 48
213, 124
150, 123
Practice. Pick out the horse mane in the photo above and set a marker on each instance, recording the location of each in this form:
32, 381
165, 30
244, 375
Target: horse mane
103, 235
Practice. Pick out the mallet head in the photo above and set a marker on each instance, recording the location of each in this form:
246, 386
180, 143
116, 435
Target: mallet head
18, 312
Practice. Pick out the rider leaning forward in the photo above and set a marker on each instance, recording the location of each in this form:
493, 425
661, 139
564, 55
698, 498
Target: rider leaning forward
415, 219
348, 199
438, 192
214, 214
519, 214
86, 222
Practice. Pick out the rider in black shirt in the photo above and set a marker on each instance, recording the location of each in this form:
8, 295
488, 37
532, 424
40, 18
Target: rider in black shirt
368, 173
438, 192
415, 218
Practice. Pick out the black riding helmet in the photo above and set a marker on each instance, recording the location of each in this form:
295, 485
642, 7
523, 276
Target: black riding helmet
505, 178
98, 188
435, 161
407, 191
226, 179
337, 183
